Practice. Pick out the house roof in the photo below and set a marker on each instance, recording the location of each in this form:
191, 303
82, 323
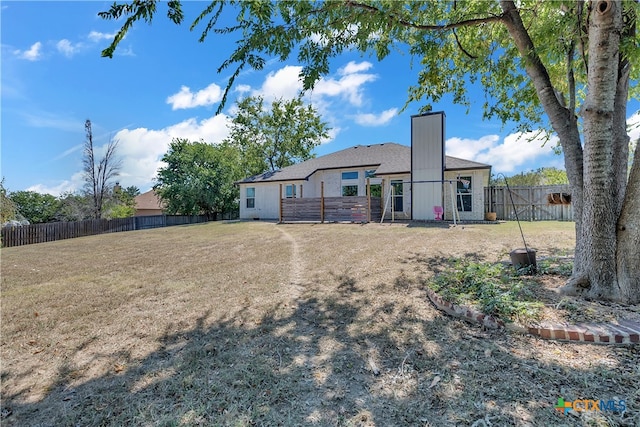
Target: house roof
148, 200
387, 158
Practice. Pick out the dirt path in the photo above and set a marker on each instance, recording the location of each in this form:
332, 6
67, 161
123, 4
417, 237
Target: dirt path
296, 268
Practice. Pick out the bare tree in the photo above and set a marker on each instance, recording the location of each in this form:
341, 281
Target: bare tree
98, 172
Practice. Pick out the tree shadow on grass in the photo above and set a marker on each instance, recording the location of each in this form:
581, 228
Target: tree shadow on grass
341, 356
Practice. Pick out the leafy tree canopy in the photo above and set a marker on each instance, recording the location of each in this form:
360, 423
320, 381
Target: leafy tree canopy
7, 207
199, 178
271, 139
453, 43
75, 207
36, 207
541, 176
121, 202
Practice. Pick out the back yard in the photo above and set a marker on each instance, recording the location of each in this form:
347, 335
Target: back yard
254, 323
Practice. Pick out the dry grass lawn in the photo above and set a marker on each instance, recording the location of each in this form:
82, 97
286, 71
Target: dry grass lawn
254, 323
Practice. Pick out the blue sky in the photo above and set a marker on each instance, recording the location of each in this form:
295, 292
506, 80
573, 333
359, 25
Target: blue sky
162, 84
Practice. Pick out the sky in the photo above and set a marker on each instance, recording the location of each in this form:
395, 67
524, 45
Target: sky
162, 84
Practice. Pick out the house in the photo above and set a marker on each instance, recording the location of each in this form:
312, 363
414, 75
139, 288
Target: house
411, 180
148, 204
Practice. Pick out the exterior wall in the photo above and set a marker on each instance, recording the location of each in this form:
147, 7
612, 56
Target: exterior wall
406, 197
266, 201
333, 182
427, 163
267, 193
479, 179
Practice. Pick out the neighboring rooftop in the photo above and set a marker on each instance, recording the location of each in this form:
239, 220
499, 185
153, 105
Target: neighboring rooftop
148, 200
387, 158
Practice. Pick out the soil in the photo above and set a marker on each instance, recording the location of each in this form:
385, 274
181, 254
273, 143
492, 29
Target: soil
566, 309
261, 324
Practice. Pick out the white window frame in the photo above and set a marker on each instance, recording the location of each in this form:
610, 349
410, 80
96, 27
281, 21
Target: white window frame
290, 194
350, 185
350, 181
463, 194
350, 172
252, 198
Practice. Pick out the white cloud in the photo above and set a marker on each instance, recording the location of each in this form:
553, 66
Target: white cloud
321, 39
354, 67
381, 119
96, 36
33, 54
509, 155
187, 99
466, 148
349, 85
141, 149
67, 48
284, 83
243, 89
333, 134
75, 183
516, 151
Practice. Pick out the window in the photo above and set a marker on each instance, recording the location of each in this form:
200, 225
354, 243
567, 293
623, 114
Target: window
398, 190
464, 194
349, 190
370, 173
290, 191
350, 175
251, 197
376, 190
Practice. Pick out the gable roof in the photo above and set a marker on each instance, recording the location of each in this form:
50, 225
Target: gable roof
148, 200
387, 158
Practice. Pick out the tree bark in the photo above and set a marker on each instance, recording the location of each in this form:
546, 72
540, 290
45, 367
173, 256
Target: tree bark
607, 230
628, 254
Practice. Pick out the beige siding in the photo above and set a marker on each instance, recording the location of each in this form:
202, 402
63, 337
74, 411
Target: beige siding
479, 179
427, 162
406, 199
333, 182
267, 197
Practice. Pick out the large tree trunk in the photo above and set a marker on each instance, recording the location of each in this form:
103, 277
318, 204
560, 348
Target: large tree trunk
601, 200
628, 255
607, 222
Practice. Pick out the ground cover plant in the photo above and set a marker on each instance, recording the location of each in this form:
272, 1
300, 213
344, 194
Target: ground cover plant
256, 323
491, 288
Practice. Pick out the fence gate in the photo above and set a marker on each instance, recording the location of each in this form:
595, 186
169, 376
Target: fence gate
538, 203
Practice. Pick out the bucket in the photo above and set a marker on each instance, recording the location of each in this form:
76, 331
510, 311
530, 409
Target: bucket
524, 259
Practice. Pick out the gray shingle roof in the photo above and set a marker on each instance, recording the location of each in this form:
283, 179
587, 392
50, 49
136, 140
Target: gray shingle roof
387, 158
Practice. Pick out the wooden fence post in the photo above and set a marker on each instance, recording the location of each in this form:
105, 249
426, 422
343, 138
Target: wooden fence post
322, 201
280, 205
368, 199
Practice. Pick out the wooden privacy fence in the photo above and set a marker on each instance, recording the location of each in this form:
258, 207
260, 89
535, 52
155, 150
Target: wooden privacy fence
40, 233
539, 203
331, 209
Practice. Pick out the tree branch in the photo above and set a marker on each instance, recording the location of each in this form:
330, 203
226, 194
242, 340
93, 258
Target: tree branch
424, 27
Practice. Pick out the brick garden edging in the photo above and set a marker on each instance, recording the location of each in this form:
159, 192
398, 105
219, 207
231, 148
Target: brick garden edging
625, 332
